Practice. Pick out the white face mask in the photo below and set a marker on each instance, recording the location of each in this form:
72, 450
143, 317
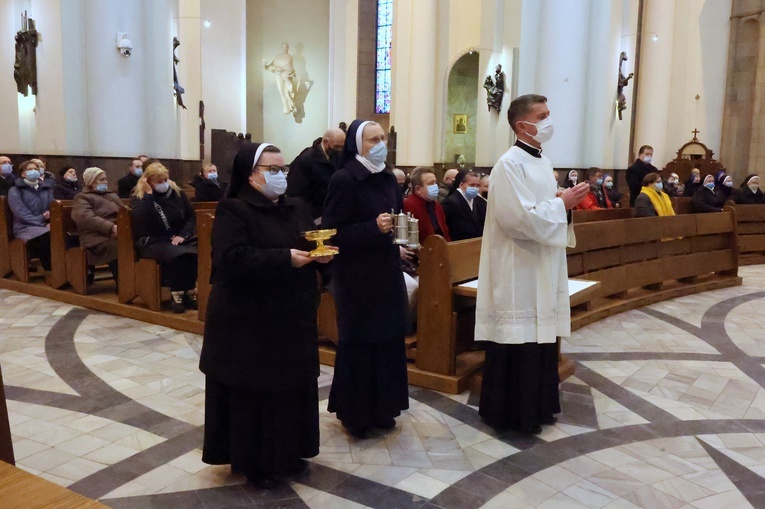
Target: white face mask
647, 159
544, 130
754, 187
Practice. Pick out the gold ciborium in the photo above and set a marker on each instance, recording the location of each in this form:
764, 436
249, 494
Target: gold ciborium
319, 236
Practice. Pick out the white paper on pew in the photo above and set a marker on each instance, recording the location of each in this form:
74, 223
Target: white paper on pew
574, 285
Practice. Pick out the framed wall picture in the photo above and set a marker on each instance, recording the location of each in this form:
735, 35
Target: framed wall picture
460, 124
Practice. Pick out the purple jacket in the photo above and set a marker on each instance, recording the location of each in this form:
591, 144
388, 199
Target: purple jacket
28, 205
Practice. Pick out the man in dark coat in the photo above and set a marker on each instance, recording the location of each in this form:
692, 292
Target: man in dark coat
206, 185
126, 184
260, 350
639, 169
310, 172
369, 388
465, 212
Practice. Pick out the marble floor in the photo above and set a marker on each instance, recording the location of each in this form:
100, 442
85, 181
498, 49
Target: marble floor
666, 410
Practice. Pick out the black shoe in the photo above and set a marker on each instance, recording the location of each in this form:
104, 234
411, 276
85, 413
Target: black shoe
177, 302
190, 300
360, 433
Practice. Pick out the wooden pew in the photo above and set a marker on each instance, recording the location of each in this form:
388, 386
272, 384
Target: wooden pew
445, 320
750, 223
138, 277
68, 261
682, 205
18, 257
587, 216
141, 277
205, 219
645, 260
6, 235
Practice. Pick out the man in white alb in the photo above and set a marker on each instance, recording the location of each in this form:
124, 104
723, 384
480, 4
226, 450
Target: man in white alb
523, 302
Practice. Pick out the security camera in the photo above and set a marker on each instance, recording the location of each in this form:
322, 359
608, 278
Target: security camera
124, 45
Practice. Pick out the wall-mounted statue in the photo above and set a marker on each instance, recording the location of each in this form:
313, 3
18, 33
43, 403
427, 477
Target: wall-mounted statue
179, 90
495, 89
623, 82
286, 80
25, 66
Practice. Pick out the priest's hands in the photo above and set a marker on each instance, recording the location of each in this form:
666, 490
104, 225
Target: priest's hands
573, 195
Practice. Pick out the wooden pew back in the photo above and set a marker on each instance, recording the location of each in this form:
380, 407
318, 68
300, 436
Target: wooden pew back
442, 265
205, 219
682, 205
750, 221
587, 216
6, 235
63, 235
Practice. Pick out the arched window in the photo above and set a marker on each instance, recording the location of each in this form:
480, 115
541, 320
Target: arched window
382, 64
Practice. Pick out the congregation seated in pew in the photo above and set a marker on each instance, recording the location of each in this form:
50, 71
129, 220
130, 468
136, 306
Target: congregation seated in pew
95, 213
206, 185
424, 206
724, 183
7, 178
465, 211
749, 193
652, 200
68, 185
709, 198
597, 198
29, 200
614, 195
164, 227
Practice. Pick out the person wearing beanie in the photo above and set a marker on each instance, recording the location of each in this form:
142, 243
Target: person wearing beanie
95, 212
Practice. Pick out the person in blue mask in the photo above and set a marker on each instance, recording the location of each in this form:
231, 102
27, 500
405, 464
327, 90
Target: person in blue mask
260, 349
465, 211
597, 198
7, 178
369, 388
423, 204
94, 211
207, 185
29, 200
709, 198
126, 184
164, 227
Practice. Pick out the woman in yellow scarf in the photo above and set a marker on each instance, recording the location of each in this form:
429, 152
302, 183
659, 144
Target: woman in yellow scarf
652, 201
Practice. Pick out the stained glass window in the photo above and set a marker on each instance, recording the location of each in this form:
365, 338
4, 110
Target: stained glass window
382, 67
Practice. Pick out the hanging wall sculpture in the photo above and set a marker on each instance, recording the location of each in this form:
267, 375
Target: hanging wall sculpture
623, 82
179, 90
25, 66
495, 89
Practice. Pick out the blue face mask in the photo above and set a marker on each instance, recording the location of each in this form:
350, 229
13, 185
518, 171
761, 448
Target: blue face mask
275, 186
212, 176
138, 172
432, 191
599, 182
471, 192
378, 154
6, 169
32, 175
609, 185
728, 183
162, 188
102, 188
658, 186
710, 185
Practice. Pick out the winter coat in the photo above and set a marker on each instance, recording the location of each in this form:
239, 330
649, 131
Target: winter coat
153, 238
309, 177
95, 214
28, 205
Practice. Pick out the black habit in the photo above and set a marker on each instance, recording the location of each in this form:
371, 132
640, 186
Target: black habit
6, 182
464, 222
708, 200
66, 190
744, 195
370, 382
260, 350
635, 175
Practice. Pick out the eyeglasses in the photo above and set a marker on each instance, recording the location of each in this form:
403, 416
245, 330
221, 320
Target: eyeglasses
376, 139
274, 169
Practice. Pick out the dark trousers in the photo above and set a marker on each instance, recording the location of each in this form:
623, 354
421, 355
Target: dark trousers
39, 247
520, 386
181, 273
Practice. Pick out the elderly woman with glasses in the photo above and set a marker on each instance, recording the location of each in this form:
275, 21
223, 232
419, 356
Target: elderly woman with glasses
260, 349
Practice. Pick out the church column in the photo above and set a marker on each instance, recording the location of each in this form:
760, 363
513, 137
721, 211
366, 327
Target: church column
414, 68
343, 60
190, 76
655, 75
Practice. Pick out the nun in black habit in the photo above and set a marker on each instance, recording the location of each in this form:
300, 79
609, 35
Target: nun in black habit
369, 388
260, 351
